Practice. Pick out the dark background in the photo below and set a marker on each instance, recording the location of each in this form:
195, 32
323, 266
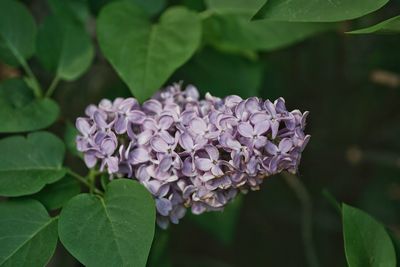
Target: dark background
351, 86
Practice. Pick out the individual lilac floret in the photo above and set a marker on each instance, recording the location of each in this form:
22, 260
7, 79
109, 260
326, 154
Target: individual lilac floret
192, 153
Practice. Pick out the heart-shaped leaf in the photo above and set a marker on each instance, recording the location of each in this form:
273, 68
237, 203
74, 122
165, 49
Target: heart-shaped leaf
145, 55
28, 234
317, 10
64, 47
20, 111
114, 231
28, 164
391, 25
17, 32
54, 196
236, 32
366, 242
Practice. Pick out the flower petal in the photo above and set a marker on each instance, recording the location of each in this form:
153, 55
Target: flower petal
261, 127
159, 145
203, 164
198, 126
245, 129
186, 142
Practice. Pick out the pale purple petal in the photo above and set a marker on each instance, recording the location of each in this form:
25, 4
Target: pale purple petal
136, 116
198, 126
83, 126
164, 206
203, 164
90, 160
212, 151
186, 142
285, 145
159, 145
245, 129
271, 148
165, 122
261, 127
139, 155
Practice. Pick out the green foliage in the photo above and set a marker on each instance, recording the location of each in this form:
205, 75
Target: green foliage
28, 164
146, 56
28, 234
236, 32
21, 112
317, 10
391, 25
244, 7
64, 47
17, 32
223, 224
114, 231
220, 50
223, 74
367, 244
54, 196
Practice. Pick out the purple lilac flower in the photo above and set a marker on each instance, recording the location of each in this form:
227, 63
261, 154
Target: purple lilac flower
192, 153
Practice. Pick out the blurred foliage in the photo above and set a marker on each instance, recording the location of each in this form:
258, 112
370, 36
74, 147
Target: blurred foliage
349, 83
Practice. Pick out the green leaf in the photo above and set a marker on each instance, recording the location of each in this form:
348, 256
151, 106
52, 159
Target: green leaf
28, 234
20, 111
28, 164
54, 196
221, 224
151, 7
17, 32
63, 46
71, 9
367, 244
247, 7
391, 25
230, 32
114, 231
222, 74
146, 55
317, 10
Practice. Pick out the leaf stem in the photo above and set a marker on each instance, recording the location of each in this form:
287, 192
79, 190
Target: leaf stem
35, 86
306, 221
52, 86
85, 181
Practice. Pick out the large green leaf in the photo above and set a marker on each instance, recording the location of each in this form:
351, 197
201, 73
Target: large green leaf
54, 196
28, 164
317, 10
223, 74
367, 244
391, 25
28, 234
20, 111
114, 231
64, 47
17, 32
145, 55
247, 7
71, 9
236, 32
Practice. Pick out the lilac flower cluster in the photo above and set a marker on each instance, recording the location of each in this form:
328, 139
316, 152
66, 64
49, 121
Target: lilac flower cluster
192, 153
